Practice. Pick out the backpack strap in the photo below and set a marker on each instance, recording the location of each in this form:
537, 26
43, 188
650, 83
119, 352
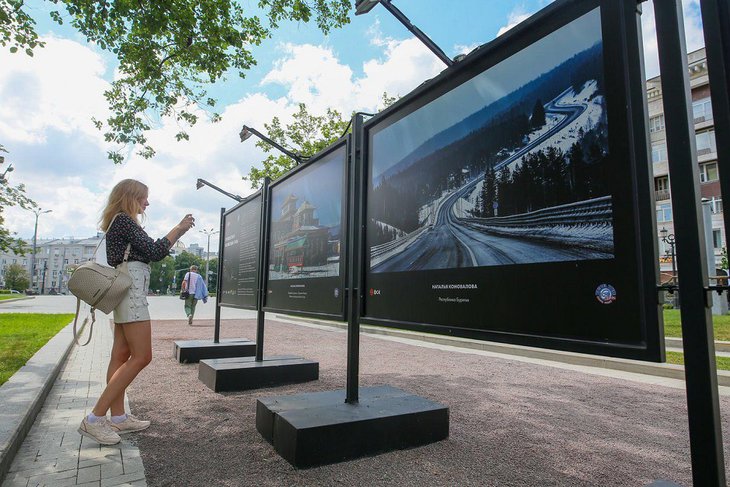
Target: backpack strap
91, 328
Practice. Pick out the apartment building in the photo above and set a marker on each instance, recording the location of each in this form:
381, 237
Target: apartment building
706, 155
52, 261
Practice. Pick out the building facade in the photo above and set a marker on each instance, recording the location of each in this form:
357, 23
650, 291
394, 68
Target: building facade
53, 261
706, 156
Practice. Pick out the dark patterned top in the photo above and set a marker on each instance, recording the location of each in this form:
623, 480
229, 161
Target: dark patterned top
123, 231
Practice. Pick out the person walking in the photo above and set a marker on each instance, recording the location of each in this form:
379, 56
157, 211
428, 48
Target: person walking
132, 348
194, 284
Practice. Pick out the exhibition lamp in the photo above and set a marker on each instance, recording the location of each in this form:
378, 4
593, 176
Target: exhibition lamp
247, 132
203, 182
365, 6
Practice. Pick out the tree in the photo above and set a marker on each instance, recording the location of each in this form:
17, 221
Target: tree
538, 115
11, 196
167, 51
213, 277
16, 277
161, 277
306, 135
183, 261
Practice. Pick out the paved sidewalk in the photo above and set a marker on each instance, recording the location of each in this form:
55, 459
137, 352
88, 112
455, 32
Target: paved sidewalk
53, 453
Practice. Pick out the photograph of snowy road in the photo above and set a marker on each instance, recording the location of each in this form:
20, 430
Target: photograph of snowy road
510, 167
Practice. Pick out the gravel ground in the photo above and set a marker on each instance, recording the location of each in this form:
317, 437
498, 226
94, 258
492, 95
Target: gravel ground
511, 423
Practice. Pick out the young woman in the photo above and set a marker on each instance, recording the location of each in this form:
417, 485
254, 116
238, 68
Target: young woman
132, 348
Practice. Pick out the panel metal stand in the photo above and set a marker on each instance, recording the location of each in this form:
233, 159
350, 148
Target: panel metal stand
192, 351
320, 428
241, 372
705, 434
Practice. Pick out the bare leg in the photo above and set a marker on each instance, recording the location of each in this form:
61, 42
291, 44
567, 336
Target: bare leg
139, 340
120, 354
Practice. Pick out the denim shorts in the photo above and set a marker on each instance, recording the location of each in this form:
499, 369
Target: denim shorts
134, 305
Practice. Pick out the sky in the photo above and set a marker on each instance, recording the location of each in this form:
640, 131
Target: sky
47, 104
315, 184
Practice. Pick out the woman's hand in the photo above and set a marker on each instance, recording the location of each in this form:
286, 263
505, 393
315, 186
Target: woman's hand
186, 223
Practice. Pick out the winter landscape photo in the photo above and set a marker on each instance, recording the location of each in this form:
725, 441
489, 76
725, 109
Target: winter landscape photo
510, 167
306, 216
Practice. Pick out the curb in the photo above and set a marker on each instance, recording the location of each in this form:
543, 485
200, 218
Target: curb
720, 346
665, 370
23, 395
16, 299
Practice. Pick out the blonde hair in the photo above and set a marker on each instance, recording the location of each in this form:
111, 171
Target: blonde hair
124, 198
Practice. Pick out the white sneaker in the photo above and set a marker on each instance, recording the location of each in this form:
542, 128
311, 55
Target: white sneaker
130, 425
101, 431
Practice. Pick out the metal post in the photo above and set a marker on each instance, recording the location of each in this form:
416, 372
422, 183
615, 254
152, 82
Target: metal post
716, 28
217, 323
354, 259
705, 434
263, 252
32, 257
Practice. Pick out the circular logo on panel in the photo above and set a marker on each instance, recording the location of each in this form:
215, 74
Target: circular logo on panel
605, 294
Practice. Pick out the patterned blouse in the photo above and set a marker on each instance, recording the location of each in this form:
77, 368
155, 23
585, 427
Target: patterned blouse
125, 230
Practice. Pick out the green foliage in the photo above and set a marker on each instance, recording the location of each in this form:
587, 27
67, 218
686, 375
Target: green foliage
306, 135
11, 196
161, 273
723, 363
16, 277
167, 51
673, 324
723, 261
22, 335
17, 28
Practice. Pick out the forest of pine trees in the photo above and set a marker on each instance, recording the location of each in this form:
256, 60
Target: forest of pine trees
547, 178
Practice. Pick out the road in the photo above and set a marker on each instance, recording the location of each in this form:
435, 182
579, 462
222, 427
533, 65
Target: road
451, 244
161, 308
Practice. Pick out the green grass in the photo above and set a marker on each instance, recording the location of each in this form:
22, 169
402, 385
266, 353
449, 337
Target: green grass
22, 335
11, 296
673, 325
723, 363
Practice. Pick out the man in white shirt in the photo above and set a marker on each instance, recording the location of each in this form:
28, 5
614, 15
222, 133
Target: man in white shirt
191, 282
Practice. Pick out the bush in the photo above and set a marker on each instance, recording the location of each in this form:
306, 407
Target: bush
667, 306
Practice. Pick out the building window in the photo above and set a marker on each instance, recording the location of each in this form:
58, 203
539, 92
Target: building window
708, 172
661, 188
716, 205
664, 213
656, 124
705, 142
702, 110
717, 238
658, 153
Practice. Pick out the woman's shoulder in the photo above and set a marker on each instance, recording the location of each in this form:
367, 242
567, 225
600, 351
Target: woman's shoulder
121, 221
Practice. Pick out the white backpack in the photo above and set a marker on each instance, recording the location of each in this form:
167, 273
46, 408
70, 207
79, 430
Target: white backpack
101, 287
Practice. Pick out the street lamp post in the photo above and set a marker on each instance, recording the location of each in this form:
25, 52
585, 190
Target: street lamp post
209, 232
37, 212
668, 238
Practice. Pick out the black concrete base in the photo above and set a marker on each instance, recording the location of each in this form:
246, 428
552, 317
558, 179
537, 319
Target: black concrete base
320, 428
242, 373
192, 351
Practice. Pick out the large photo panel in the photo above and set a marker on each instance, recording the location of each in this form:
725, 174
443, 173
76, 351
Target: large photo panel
306, 250
501, 196
241, 254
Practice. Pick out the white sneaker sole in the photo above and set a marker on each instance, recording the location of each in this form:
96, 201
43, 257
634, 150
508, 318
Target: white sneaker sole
124, 432
85, 433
